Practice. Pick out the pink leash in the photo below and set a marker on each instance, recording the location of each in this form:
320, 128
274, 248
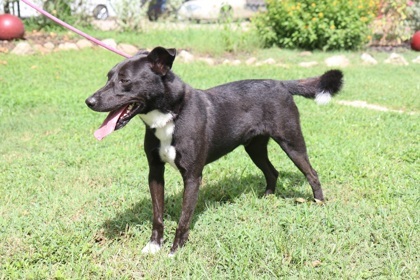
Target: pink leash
62, 23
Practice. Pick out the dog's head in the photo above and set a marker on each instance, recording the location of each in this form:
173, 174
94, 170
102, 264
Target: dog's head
130, 85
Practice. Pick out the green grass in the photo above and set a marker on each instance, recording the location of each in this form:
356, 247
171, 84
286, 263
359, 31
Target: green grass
75, 208
214, 39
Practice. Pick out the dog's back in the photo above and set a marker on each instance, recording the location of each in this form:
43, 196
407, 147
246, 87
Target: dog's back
233, 114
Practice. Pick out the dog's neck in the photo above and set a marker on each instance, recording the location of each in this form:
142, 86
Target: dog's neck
171, 100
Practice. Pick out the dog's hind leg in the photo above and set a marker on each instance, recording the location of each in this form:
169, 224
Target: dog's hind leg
290, 138
257, 150
295, 148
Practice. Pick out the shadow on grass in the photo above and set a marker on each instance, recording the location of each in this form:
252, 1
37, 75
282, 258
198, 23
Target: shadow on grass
222, 192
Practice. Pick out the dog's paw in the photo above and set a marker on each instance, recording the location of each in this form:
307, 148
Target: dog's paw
151, 248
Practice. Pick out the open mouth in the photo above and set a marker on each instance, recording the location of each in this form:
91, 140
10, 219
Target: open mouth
127, 113
118, 119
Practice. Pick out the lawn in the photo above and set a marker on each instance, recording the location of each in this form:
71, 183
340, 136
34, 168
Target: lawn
75, 208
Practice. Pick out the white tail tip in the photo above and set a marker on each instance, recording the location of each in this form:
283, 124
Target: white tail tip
322, 98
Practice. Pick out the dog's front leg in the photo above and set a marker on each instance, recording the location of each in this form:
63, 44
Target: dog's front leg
156, 186
191, 186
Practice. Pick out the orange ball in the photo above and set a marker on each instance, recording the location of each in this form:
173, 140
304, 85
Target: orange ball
11, 27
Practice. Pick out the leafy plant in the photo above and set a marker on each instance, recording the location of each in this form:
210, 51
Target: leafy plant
309, 24
235, 37
396, 20
72, 12
414, 15
130, 14
58, 8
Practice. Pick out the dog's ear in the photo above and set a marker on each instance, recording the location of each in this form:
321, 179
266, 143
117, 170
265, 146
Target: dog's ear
161, 60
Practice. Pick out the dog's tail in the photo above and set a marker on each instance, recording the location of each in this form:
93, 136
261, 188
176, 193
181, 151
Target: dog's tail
320, 88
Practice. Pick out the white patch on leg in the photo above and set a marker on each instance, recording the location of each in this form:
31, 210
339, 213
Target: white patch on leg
151, 248
165, 127
322, 98
168, 154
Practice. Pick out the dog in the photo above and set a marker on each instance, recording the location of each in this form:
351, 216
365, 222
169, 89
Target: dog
189, 128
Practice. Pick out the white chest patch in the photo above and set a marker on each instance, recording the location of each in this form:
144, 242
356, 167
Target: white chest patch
164, 125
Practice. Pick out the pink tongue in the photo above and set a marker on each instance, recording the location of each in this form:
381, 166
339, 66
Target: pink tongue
108, 126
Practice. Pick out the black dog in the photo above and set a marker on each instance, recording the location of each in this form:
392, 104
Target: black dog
189, 128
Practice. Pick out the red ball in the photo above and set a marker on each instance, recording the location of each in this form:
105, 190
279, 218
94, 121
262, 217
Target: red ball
11, 27
415, 41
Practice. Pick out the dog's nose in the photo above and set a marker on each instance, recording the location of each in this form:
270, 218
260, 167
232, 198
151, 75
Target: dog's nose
91, 102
